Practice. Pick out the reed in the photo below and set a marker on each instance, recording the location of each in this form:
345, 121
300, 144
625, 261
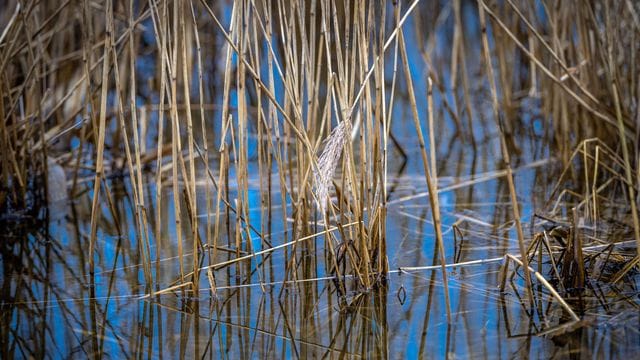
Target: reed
310, 94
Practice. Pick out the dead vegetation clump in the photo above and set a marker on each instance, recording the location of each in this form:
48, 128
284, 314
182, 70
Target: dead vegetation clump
585, 252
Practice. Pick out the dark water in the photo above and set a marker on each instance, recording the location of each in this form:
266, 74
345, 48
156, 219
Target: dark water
53, 307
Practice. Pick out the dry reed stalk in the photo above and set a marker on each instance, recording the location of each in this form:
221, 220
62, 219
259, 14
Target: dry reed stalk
355, 175
135, 171
348, 209
568, 72
160, 26
601, 147
299, 171
95, 205
138, 142
186, 61
239, 259
138, 197
205, 145
591, 109
233, 154
460, 42
300, 60
226, 119
300, 134
12, 19
387, 43
219, 196
505, 151
378, 114
429, 177
243, 131
379, 129
627, 161
387, 111
281, 246
275, 127
628, 176
432, 131
264, 150
176, 144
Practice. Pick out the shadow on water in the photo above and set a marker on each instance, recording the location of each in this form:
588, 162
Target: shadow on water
114, 278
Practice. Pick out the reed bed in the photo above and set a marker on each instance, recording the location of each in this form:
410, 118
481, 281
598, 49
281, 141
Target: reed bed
185, 104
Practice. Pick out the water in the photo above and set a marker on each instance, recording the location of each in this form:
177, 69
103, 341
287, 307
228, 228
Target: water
54, 308
271, 306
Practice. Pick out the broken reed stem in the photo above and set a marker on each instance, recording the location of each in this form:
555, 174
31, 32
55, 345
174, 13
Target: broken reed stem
540, 278
504, 149
408, 269
169, 289
272, 249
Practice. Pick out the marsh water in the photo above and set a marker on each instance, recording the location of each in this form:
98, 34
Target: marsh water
286, 303
50, 309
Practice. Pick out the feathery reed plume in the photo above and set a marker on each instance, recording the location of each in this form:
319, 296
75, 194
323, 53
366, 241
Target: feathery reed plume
328, 161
